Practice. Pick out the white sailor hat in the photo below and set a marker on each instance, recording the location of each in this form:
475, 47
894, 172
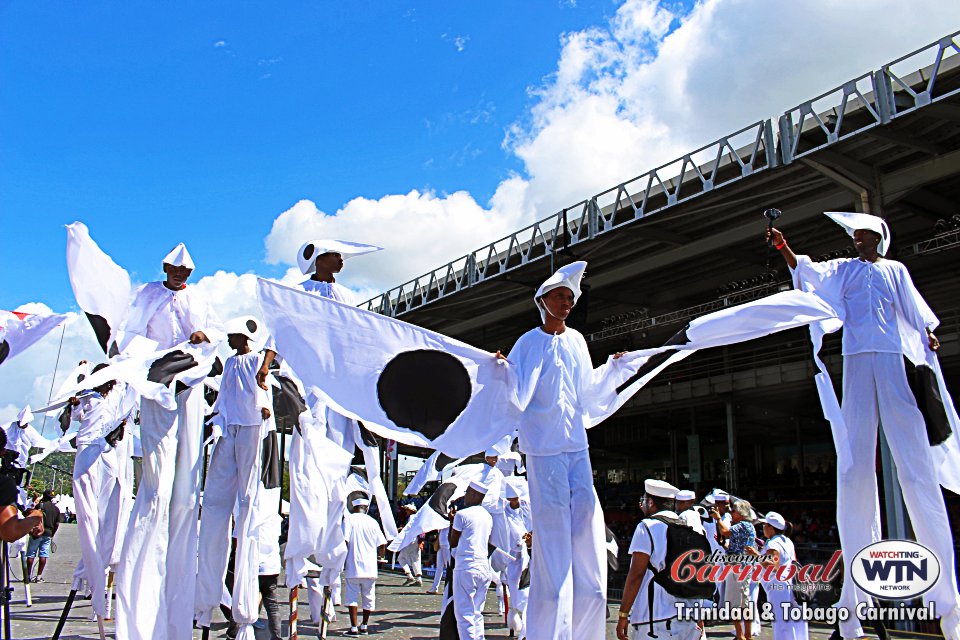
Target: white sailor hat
491, 453
685, 495
775, 520
412, 507
478, 486
245, 326
568, 276
853, 221
361, 502
659, 488
721, 496
310, 251
179, 257
512, 491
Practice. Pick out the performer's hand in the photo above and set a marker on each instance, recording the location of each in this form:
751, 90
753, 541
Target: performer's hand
499, 356
265, 413
934, 343
82, 362
714, 513
622, 625
619, 354
262, 377
774, 235
74, 401
198, 336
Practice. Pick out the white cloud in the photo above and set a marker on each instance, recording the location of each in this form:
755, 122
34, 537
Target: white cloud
219, 44
460, 42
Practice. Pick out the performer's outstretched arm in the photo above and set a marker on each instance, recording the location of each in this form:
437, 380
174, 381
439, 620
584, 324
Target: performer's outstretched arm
780, 244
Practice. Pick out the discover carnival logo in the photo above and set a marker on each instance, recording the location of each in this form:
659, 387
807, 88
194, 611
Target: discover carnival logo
895, 569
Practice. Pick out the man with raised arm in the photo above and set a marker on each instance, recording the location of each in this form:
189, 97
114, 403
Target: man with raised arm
884, 319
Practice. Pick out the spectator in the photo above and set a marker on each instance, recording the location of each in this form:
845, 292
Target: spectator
741, 534
39, 545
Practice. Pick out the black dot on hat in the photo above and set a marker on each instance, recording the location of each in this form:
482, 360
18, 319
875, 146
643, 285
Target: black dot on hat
308, 251
424, 391
251, 326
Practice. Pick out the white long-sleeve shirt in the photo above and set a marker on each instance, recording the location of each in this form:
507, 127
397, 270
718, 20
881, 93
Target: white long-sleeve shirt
97, 416
558, 389
872, 298
21, 440
170, 317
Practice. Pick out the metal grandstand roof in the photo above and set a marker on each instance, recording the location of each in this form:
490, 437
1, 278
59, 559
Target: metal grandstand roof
887, 141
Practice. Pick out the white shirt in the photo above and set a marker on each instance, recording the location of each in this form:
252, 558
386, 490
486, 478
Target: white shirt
170, 317
518, 524
96, 415
664, 604
475, 525
241, 398
783, 545
363, 536
870, 297
21, 440
557, 390
693, 519
445, 538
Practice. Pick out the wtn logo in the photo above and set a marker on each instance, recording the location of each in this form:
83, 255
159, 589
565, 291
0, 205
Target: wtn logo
902, 570
895, 569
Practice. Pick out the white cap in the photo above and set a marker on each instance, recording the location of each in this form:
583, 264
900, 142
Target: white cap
307, 256
568, 276
685, 495
512, 491
709, 499
775, 520
412, 507
245, 326
659, 488
477, 486
721, 496
361, 502
491, 453
25, 416
853, 221
179, 257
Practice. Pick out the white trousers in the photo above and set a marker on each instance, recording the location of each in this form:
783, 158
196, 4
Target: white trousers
469, 594
685, 630
518, 596
409, 559
233, 477
443, 559
777, 593
875, 391
360, 592
568, 569
158, 565
89, 491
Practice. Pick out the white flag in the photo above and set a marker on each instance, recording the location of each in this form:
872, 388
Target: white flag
404, 382
19, 331
101, 287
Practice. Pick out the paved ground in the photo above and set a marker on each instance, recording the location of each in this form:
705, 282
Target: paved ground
408, 613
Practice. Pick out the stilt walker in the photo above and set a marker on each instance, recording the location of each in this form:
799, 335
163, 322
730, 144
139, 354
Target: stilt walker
884, 320
159, 558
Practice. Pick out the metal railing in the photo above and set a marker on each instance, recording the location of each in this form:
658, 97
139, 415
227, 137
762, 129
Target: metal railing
860, 104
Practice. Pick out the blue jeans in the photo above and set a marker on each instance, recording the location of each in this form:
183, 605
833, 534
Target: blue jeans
39, 546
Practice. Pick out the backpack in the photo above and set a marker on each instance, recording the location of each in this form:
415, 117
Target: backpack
681, 538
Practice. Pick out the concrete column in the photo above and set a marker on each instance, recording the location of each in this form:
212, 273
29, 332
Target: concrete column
731, 448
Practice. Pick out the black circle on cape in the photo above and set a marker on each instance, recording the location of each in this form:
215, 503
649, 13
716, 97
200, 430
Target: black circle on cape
424, 391
4, 350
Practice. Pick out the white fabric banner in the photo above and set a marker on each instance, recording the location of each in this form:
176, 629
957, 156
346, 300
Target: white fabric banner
101, 287
20, 331
404, 382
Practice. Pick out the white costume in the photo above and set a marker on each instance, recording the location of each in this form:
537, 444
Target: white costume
884, 318
443, 558
364, 537
233, 477
558, 388
159, 559
518, 524
96, 491
21, 437
471, 570
781, 591
650, 538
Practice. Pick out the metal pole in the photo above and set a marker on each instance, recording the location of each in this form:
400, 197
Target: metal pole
63, 616
731, 448
294, 593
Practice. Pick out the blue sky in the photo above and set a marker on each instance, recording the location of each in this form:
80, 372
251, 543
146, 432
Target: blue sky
204, 121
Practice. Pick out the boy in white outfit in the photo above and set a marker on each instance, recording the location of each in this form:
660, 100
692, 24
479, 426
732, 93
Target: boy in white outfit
364, 539
233, 477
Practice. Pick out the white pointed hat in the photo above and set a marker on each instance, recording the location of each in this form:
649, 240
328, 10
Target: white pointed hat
179, 257
25, 416
853, 221
246, 326
568, 276
307, 256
